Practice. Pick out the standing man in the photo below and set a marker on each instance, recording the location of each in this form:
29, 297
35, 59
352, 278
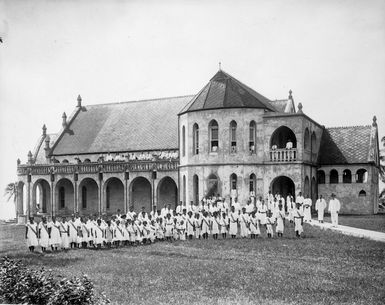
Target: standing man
320, 207
299, 200
334, 209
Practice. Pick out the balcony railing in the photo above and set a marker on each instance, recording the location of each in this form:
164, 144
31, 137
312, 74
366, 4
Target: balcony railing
96, 167
283, 155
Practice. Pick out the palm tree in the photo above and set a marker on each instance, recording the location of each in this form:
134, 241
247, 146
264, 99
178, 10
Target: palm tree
11, 191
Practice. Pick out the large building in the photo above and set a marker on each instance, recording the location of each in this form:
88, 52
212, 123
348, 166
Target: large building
227, 139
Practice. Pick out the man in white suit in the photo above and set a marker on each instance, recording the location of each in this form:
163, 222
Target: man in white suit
334, 209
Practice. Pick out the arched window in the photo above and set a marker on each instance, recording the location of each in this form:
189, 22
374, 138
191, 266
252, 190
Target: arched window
196, 188
65, 161
313, 142
214, 136
212, 185
84, 197
252, 137
333, 176
184, 189
195, 139
252, 184
321, 177
347, 176
362, 176
108, 197
306, 140
281, 137
362, 193
233, 137
183, 141
61, 198
233, 182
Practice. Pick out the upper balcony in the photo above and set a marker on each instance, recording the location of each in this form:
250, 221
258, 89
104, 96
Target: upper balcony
283, 155
98, 167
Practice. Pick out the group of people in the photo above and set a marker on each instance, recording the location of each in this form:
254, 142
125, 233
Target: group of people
213, 216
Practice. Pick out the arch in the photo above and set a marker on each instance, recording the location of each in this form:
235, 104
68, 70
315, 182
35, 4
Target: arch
333, 176
212, 185
65, 161
41, 197
87, 161
195, 139
64, 194
346, 176
213, 136
306, 187
321, 177
252, 184
113, 195
283, 185
89, 198
167, 192
195, 189
252, 136
184, 197
141, 194
306, 139
183, 141
362, 175
362, 193
281, 136
233, 137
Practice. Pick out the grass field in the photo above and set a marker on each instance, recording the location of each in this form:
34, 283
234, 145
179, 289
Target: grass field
368, 222
322, 268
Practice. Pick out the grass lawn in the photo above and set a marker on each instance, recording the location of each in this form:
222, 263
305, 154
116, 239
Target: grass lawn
368, 222
323, 268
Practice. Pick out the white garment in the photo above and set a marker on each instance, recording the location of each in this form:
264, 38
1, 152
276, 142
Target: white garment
334, 208
32, 235
320, 207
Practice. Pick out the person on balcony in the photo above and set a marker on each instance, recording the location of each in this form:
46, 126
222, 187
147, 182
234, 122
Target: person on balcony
274, 147
289, 144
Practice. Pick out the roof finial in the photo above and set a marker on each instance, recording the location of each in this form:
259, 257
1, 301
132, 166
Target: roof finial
299, 107
290, 96
44, 130
220, 68
374, 124
79, 101
64, 122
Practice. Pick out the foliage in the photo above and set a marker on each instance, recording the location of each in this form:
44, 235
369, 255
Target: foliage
37, 286
11, 191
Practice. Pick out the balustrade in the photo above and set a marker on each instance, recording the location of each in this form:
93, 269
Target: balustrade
283, 155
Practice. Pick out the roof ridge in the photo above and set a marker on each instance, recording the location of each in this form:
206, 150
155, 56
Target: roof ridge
144, 100
345, 127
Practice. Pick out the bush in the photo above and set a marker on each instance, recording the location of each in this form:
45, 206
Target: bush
19, 284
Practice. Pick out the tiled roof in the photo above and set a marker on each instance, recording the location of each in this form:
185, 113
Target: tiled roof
224, 91
341, 145
128, 126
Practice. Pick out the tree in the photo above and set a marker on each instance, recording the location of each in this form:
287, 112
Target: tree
11, 191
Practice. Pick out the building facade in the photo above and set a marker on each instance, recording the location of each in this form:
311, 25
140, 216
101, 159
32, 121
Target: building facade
228, 140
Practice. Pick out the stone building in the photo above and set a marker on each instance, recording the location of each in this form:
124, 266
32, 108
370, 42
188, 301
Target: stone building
228, 140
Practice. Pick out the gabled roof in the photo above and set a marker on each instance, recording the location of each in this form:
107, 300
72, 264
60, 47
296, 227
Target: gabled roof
286, 105
128, 126
342, 145
224, 91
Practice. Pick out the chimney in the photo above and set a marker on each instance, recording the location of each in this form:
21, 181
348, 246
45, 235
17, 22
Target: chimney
64, 123
79, 101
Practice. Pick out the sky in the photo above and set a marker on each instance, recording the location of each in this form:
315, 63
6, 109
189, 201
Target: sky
330, 53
